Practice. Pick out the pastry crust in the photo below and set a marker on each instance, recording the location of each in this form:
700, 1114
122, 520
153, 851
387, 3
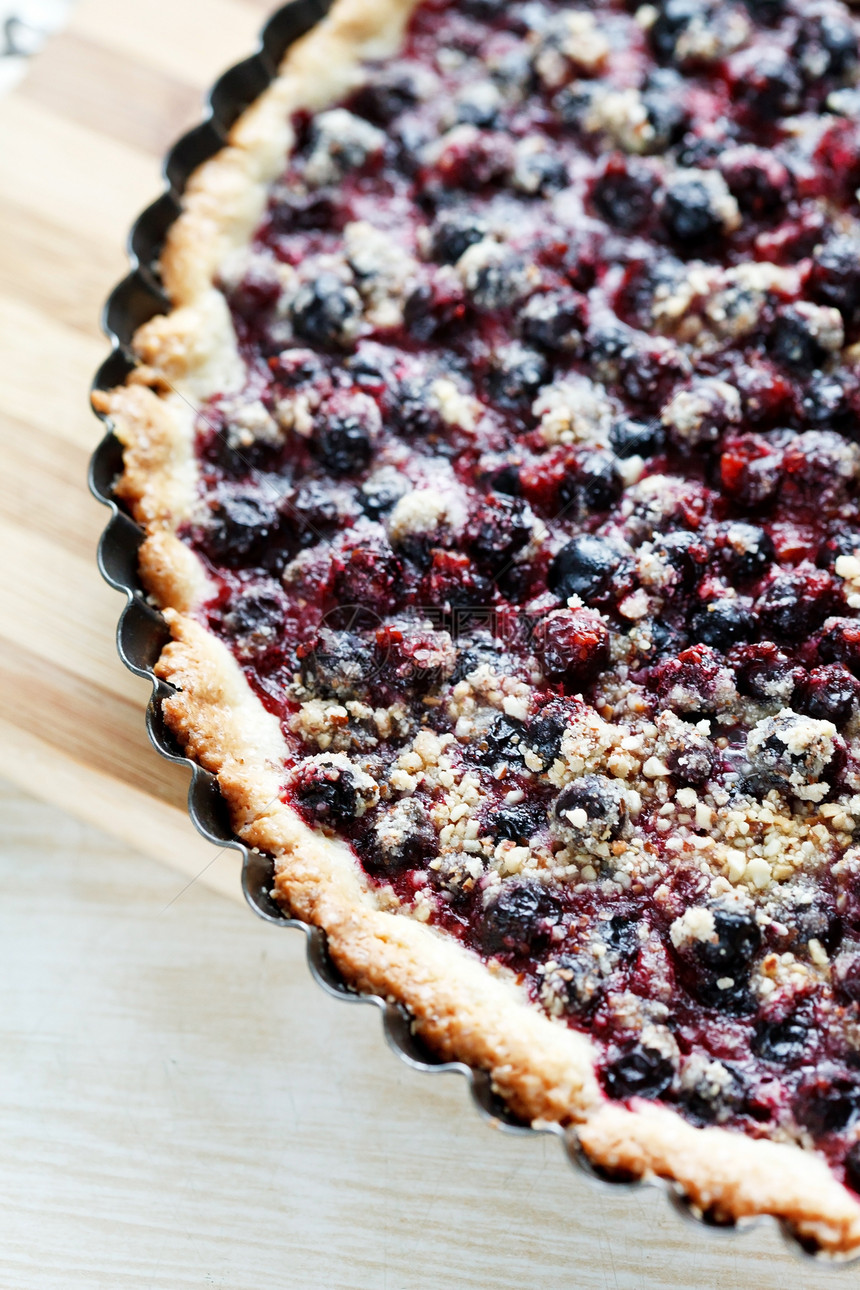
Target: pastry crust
464, 1009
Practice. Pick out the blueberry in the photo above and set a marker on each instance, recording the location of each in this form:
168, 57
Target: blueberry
738, 941
793, 341
540, 173
673, 18
667, 116
826, 402
518, 822
624, 194
403, 838
326, 793
816, 920
852, 1167
769, 82
412, 409
554, 320
342, 444
828, 693
516, 375
311, 512
337, 663
543, 736
593, 484
826, 46
502, 741
827, 1103
518, 919
714, 1103
584, 567
683, 552
325, 311
688, 213
782, 1042
846, 978
453, 232
620, 935
390, 91
573, 647
498, 530
602, 801
748, 551
835, 276
507, 480
694, 763
795, 604
381, 492
722, 624
637, 438
638, 1072
237, 526
764, 672
254, 615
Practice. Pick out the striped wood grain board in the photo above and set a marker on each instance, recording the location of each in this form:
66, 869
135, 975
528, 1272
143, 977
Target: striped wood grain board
80, 147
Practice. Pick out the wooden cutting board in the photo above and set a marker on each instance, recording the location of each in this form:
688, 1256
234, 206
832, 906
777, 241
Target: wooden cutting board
81, 142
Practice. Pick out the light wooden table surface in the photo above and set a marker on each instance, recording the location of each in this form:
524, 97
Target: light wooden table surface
180, 1105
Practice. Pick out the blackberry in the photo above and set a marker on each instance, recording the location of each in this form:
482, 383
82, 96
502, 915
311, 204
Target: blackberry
793, 341
502, 741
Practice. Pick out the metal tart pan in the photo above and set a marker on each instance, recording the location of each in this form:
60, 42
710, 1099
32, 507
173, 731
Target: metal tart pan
142, 632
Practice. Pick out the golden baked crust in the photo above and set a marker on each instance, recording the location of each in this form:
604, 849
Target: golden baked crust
465, 1009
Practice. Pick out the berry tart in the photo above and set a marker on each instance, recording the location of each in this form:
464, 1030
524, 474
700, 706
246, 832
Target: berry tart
498, 462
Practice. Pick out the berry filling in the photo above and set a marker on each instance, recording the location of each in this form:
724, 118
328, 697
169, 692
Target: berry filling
536, 523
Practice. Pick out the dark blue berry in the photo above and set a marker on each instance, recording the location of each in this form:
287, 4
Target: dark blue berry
326, 793
828, 693
324, 310
342, 443
453, 232
782, 1042
502, 741
518, 822
237, 526
584, 567
688, 213
738, 941
638, 1072
793, 341
516, 375
518, 919
554, 320
543, 736
338, 663
637, 438
722, 624
835, 276
624, 194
